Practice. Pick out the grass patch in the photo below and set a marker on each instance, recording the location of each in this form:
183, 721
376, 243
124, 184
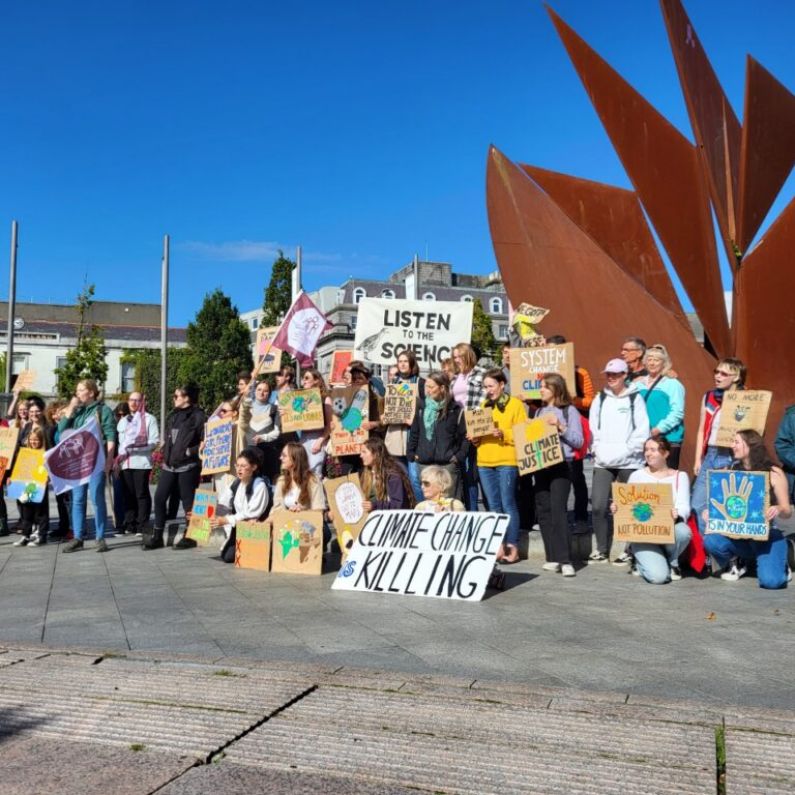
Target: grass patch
227, 672
720, 758
137, 747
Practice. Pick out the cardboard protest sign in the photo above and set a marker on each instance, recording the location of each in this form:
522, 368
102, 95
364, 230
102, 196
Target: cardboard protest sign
301, 410
644, 512
400, 402
205, 504
4, 462
350, 409
8, 443
25, 381
446, 555
253, 545
339, 363
742, 409
479, 422
431, 329
737, 503
345, 500
29, 476
297, 542
537, 446
218, 442
528, 365
268, 358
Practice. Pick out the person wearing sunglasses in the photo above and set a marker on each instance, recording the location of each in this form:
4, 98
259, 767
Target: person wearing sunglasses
729, 374
437, 486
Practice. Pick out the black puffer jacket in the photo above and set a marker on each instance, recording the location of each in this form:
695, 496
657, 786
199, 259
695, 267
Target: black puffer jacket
183, 434
448, 442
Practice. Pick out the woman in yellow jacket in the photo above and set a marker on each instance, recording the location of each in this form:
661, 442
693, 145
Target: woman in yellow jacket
497, 459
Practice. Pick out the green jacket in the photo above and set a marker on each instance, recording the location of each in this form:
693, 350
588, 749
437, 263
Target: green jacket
83, 414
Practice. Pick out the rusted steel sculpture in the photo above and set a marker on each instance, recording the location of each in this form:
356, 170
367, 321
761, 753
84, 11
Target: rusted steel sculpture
584, 249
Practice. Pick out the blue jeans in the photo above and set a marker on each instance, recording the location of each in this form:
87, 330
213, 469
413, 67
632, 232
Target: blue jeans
414, 477
499, 486
96, 488
715, 458
654, 560
770, 555
470, 476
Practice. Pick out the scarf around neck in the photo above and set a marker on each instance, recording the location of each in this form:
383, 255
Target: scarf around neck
500, 403
430, 414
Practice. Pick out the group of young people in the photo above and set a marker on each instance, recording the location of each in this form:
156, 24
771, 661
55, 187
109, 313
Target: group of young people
633, 426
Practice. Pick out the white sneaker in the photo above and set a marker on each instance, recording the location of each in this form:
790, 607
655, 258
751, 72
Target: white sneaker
676, 573
21, 542
551, 567
734, 572
623, 559
567, 570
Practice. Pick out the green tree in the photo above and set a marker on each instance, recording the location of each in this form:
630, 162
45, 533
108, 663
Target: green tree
146, 362
87, 358
483, 339
218, 348
278, 293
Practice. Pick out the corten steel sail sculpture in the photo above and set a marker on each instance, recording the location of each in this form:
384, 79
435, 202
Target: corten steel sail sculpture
584, 249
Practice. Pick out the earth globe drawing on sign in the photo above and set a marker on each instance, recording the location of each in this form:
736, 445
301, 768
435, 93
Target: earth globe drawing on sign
736, 507
642, 511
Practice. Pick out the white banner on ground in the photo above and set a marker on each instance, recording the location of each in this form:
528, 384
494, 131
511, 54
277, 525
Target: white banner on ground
446, 555
76, 458
431, 329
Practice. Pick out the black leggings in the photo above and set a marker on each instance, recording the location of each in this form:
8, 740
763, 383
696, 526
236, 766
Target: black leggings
137, 499
182, 483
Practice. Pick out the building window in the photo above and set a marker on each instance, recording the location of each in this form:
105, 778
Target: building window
428, 297
467, 298
254, 322
60, 361
127, 377
358, 294
503, 332
354, 318
495, 306
387, 293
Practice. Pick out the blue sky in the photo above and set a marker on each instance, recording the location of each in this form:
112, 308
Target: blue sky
357, 129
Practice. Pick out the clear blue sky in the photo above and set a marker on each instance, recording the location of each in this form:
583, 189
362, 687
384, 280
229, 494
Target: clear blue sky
358, 129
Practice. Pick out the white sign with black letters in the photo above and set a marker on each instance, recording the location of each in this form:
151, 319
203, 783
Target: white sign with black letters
385, 328
447, 555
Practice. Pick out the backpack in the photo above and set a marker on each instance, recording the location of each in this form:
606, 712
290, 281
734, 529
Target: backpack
602, 395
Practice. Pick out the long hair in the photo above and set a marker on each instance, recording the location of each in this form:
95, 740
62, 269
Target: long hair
320, 382
300, 474
443, 382
556, 384
468, 357
414, 368
375, 477
759, 460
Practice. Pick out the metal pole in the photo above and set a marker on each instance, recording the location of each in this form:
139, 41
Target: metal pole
295, 290
163, 334
12, 300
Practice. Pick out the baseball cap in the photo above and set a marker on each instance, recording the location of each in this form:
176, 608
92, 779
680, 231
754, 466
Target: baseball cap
615, 366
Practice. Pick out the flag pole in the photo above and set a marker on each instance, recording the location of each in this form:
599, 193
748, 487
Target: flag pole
294, 292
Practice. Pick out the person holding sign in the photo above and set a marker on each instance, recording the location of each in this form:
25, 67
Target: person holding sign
298, 487
496, 459
553, 484
729, 374
732, 554
264, 428
314, 442
34, 517
385, 484
659, 563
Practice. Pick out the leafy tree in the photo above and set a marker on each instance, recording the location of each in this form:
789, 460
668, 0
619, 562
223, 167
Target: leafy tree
146, 362
218, 348
483, 339
87, 358
278, 293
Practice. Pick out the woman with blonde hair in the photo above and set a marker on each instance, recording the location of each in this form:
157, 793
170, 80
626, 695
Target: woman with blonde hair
298, 487
437, 486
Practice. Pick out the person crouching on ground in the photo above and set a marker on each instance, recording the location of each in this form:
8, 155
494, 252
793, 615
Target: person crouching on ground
385, 484
437, 485
298, 487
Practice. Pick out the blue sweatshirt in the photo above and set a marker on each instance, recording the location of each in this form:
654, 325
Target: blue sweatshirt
665, 405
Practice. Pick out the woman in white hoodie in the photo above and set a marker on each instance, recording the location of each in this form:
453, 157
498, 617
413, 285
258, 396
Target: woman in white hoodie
620, 427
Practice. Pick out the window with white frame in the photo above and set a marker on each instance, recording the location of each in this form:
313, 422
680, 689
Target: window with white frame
503, 332
358, 294
387, 293
467, 298
428, 297
127, 380
495, 306
254, 322
354, 318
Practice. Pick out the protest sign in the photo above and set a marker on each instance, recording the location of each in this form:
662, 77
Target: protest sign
528, 365
537, 445
217, 453
205, 504
339, 362
3, 467
742, 409
644, 512
301, 410
78, 457
25, 381
253, 545
345, 499
29, 477
350, 409
447, 555
268, 358
431, 329
479, 422
400, 401
8, 443
297, 542
737, 503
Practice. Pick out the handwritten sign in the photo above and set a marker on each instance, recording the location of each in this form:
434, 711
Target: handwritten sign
297, 542
350, 410
347, 514
400, 402
268, 358
528, 366
339, 363
8, 443
537, 446
29, 477
253, 545
417, 553
742, 409
25, 381
430, 329
644, 513
217, 453
205, 504
301, 410
737, 503
479, 422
